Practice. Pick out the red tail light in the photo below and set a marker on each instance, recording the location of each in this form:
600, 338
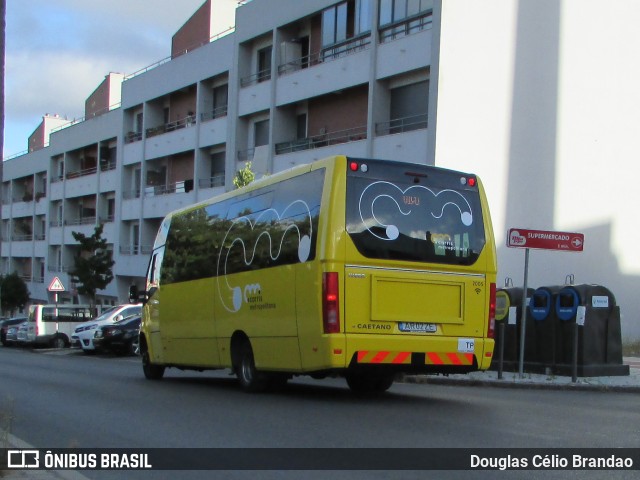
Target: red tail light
330, 302
491, 330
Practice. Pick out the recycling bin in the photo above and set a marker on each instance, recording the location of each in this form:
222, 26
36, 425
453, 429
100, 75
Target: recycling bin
545, 325
507, 298
600, 338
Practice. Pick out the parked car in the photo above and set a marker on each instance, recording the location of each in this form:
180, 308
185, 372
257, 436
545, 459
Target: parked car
6, 323
22, 336
84, 332
121, 337
12, 334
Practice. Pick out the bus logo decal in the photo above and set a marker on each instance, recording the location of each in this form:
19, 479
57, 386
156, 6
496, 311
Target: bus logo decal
411, 198
235, 238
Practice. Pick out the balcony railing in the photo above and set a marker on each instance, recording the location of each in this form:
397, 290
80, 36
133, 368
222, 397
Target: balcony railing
136, 249
21, 237
246, 155
131, 194
183, 186
131, 137
400, 125
187, 121
81, 173
327, 54
216, 181
59, 268
261, 76
81, 221
323, 140
406, 26
215, 113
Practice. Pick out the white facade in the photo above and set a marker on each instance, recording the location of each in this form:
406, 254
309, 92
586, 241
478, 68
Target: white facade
543, 94
273, 92
536, 96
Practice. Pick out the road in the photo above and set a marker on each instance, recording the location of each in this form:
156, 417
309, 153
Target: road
79, 401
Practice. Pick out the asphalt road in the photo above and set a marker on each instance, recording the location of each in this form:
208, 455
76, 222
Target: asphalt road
79, 401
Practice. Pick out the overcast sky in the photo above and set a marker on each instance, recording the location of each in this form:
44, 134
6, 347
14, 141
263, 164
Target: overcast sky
59, 51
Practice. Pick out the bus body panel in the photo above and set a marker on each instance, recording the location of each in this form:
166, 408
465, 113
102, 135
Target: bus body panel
280, 308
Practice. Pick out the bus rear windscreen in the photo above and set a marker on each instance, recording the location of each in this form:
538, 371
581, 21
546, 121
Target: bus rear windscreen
418, 214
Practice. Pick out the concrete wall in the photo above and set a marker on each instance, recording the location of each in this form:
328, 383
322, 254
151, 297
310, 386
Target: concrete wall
539, 98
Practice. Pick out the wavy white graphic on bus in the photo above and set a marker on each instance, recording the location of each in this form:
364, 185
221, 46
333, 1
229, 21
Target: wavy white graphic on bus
380, 190
230, 241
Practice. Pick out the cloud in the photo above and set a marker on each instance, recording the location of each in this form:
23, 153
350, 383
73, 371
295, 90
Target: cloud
57, 53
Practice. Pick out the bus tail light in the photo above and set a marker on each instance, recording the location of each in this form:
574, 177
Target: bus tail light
330, 302
491, 330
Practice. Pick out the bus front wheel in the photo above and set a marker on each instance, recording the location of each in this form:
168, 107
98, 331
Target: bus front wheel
251, 380
151, 371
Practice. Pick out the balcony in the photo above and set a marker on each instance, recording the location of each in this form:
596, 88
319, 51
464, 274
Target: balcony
184, 186
324, 140
258, 77
215, 113
131, 137
187, 121
213, 182
406, 26
401, 125
333, 52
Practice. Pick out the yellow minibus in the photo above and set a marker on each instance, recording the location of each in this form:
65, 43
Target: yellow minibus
348, 267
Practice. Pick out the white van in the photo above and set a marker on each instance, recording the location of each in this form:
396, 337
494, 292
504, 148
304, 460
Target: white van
83, 335
53, 325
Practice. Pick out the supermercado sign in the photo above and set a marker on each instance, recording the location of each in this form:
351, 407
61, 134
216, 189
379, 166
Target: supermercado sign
545, 240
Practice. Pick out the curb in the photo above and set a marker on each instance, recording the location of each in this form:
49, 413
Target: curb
473, 382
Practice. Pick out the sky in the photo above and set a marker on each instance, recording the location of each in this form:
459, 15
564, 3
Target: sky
58, 52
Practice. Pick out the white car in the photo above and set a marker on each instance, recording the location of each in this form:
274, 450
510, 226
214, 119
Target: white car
84, 332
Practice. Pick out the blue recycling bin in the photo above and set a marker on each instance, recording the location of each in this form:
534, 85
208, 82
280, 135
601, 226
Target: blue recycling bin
545, 324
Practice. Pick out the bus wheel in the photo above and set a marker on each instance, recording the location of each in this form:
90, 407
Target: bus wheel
251, 380
151, 371
58, 342
369, 383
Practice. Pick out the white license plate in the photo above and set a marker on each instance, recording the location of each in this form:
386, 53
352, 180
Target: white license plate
417, 327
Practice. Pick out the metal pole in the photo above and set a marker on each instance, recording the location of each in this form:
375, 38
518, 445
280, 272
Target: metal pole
501, 328
574, 359
523, 318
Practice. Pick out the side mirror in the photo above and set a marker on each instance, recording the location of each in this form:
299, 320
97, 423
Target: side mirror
134, 294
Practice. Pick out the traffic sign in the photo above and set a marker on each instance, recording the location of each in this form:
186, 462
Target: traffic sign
56, 285
545, 240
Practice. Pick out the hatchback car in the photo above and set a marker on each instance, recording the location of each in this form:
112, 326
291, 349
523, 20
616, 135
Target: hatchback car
121, 337
6, 324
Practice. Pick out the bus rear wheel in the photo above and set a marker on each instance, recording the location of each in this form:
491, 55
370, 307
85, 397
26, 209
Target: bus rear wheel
251, 380
364, 383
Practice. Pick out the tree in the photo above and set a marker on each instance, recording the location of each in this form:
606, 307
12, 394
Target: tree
244, 176
92, 269
14, 292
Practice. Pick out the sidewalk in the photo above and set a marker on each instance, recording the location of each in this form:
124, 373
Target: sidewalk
626, 383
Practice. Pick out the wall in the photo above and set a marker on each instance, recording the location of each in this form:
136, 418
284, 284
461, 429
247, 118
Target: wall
539, 98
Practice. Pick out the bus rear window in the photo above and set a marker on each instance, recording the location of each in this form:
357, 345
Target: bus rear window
414, 213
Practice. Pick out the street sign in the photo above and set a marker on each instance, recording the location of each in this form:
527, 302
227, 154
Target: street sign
56, 285
545, 240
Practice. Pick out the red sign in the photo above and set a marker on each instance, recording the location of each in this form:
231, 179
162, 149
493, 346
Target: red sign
545, 240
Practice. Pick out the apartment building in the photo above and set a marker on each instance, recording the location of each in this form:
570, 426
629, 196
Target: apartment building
285, 87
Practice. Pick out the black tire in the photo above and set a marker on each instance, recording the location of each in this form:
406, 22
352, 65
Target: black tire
250, 379
58, 342
151, 371
362, 383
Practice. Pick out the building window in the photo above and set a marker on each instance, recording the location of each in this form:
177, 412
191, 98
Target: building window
264, 63
261, 133
345, 20
397, 10
220, 100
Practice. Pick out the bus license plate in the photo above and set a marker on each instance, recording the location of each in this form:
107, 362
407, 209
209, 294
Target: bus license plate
417, 327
